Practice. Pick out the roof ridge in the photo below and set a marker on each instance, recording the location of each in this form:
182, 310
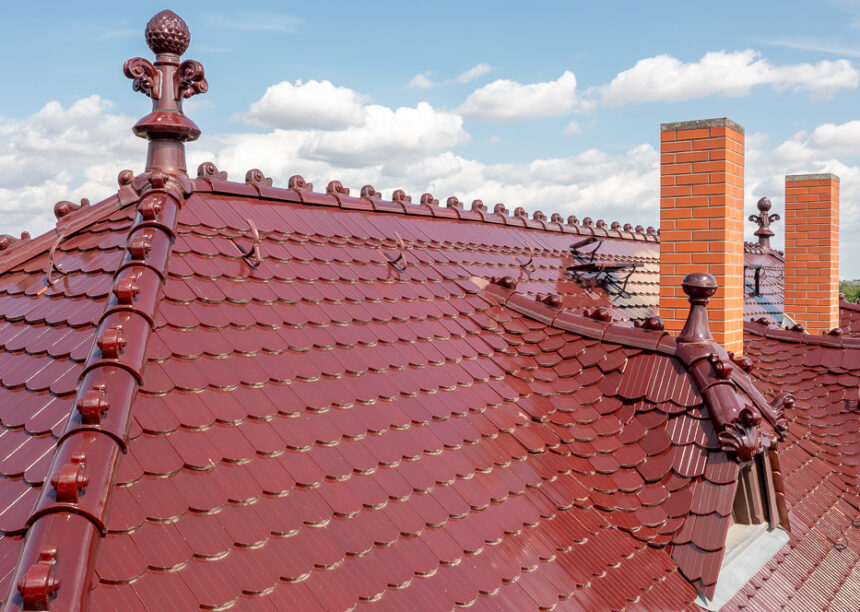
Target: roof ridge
801, 337
86, 455
299, 191
707, 362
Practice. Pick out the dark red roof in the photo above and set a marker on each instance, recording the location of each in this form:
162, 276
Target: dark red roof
238, 396
820, 468
326, 419
849, 318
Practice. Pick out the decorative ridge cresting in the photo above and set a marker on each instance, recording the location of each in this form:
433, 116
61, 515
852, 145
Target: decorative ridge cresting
168, 82
68, 521
832, 339
209, 178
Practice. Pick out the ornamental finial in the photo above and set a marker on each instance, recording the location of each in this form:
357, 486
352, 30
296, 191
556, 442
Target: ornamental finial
168, 82
764, 220
699, 287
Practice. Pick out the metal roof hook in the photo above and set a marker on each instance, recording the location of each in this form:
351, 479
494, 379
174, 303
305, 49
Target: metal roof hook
526, 264
251, 255
52, 265
397, 261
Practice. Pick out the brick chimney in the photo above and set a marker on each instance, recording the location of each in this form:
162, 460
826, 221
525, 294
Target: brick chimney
812, 250
701, 222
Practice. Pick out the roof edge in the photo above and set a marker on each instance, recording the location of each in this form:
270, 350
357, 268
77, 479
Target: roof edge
97, 430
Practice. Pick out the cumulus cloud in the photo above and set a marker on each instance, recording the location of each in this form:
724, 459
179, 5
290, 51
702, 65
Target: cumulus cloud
473, 73
387, 133
572, 128
506, 100
827, 141
61, 153
421, 81
724, 73
315, 104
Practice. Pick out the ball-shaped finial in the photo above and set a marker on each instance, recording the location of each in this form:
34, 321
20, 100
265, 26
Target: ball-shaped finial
699, 286
167, 33
764, 204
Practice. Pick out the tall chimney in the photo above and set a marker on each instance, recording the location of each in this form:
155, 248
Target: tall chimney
812, 250
701, 221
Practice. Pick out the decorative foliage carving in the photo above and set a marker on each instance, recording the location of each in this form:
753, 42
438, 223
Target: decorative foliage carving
639, 229
368, 191
573, 220
601, 224
588, 222
628, 227
190, 80
651, 231
521, 213
125, 177
599, 314
451, 202
722, 367
429, 200
500, 209
479, 206
256, 177
297, 182
7, 241
508, 282
551, 299
208, 170
336, 188
651, 324
64, 207
615, 225
538, 216
401, 197
743, 362
556, 218
743, 437
145, 77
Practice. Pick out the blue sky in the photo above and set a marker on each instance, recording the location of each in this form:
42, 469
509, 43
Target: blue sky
553, 106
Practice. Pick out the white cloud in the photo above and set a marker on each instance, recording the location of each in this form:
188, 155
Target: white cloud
315, 104
506, 100
727, 74
827, 141
421, 81
473, 73
387, 133
572, 128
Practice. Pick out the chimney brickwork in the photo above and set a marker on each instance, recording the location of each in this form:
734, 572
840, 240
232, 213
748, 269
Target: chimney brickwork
701, 222
812, 250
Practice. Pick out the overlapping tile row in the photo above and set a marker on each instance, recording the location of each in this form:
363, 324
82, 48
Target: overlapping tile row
536, 252
702, 481
819, 461
322, 433
849, 318
763, 284
46, 332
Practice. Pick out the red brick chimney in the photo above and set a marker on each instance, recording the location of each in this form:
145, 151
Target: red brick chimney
701, 222
812, 250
